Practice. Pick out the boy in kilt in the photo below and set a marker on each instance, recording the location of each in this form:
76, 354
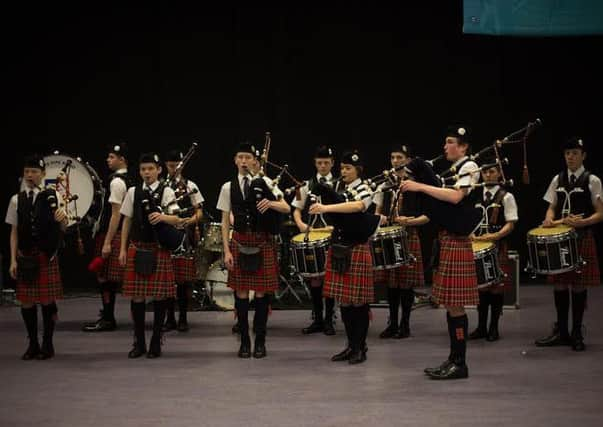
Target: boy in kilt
189, 207
149, 272
108, 239
455, 279
324, 160
251, 256
501, 216
351, 286
574, 198
398, 209
37, 222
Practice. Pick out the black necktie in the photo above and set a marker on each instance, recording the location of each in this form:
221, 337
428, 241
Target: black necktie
488, 196
572, 179
245, 187
322, 180
30, 197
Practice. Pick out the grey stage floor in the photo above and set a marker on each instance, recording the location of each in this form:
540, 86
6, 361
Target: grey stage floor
200, 381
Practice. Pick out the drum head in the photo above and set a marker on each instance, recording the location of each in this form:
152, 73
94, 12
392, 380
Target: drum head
390, 229
550, 231
82, 181
482, 246
313, 236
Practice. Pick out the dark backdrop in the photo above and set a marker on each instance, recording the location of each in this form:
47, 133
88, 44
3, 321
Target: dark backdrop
75, 79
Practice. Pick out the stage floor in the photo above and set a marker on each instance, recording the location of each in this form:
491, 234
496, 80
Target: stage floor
199, 381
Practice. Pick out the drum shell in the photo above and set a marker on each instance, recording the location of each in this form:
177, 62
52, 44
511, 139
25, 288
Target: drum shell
488, 259
310, 258
546, 253
389, 249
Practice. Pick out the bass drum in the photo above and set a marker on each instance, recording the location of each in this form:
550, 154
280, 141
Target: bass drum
81, 189
216, 287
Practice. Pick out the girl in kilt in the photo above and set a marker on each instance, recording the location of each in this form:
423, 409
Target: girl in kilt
149, 272
501, 216
36, 228
352, 285
582, 211
396, 209
454, 280
251, 255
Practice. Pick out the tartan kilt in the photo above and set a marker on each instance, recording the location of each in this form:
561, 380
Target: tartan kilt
48, 286
159, 285
266, 278
455, 280
185, 269
588, 275
406, 276
112, 271
356, 285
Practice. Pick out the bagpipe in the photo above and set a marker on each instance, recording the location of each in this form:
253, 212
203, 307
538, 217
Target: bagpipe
168, 236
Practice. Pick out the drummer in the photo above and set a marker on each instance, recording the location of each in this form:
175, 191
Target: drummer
499, 222
324, 160
574, 197
398, 209
189, 209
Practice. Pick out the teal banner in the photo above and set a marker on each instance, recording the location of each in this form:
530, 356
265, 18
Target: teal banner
540, 18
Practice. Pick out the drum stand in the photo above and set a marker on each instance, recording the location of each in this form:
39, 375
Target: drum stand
289, 288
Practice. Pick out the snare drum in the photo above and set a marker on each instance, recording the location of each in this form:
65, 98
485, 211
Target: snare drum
216, 287
487, 268
389, 248
553, 250
309, 257
212, 237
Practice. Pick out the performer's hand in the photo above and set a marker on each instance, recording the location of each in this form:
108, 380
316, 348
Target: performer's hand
303, 227
383, 220
317, 208
263, 205
12, 270
486, 237
185, 222
401, 220
60, 215
123, 257
155, 218
573, 221
106, 251
408, 185
228, 260
548, 223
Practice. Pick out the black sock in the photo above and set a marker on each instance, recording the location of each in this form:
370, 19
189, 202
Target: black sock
347, 319
562, 303
138, 315
181, 290
170, 309
496, 302
363, 325
49, 312
260, 318
317, 306
159, 310
482, 311
459, 343
30, 317
578, 306
393, 298
329, 308
451, 334
108, 296
242, 307
407, 297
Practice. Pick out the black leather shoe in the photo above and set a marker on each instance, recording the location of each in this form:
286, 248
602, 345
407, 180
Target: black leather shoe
403, 331
183, 326
245, 348
136, 352
493, 334
329, 328
314, 327
46, 352
343, 355
478, 334
357, 357
451, 372
553, 341
101, 325
236, 329
32, 351
170, 325
154, 348
578, 341
259, 350
389, 332
443, 366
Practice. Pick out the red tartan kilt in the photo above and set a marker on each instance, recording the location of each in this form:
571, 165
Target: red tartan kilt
112, 271
455, 280
589, 274
184, 269
159, 285
356, 286
48, 286
263, 280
